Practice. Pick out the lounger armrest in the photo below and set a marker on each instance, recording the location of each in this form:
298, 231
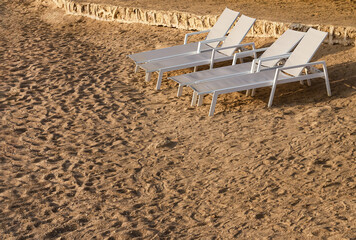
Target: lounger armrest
223, 48
193, 33
280, 69
235, 46
302, 65
259, 61
209, 41
298, 77
286, 55
247, 53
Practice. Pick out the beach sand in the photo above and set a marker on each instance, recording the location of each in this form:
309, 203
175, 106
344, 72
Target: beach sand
89, 150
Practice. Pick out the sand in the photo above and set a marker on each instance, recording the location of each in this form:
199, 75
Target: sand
89, 150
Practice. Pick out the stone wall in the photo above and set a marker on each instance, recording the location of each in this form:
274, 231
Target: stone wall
188, 21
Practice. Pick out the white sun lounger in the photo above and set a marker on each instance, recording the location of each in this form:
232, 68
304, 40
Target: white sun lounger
221, 27
282, 45
290, 72
223, 53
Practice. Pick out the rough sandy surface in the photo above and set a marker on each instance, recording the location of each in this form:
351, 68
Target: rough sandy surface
90, 150
333, 12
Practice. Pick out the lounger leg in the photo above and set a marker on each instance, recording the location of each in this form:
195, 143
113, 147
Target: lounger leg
213, 103
148, 76
234, 60
195, 68
327, 83
180, 89
308, 80
273, 90
159, 80
253, 92
200, 100
254, 55
194, 98
248, 92
241, 59
137, 68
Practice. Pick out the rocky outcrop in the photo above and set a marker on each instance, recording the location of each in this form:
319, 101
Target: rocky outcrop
189, 21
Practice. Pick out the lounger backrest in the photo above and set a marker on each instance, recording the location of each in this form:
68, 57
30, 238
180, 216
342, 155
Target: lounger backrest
305, 50
284, 44
222, 25
237, 34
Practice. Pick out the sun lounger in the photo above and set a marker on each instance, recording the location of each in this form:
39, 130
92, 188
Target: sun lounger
290, 72
283, 45
223, 53
221, 27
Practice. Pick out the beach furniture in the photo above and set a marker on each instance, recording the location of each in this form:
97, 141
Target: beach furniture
296, 68
218, 31
282, 46
223, 52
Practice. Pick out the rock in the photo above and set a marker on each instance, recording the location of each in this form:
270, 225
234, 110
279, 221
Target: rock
164, 143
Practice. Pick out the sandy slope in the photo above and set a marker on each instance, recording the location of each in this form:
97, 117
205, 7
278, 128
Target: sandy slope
89, 150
